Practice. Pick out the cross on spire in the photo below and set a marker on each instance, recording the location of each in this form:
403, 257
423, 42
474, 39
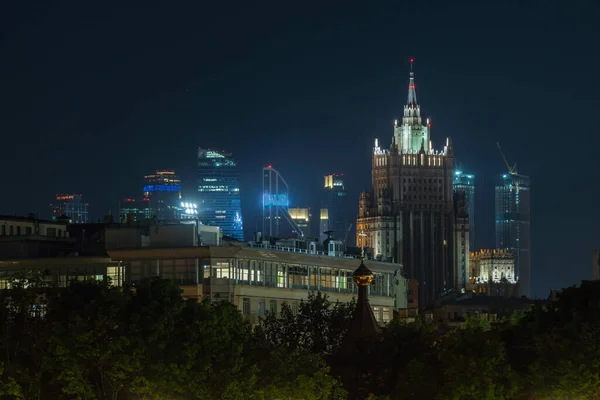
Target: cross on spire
362, 234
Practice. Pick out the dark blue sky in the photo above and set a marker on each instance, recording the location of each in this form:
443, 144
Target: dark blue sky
94, 98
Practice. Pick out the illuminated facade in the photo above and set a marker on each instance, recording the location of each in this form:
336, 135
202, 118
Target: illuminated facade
513, 221
493, 273
219, 201
72, 206
335, 200
132, 210
409, 215
163, 188
260, 278
302, 217
466, 183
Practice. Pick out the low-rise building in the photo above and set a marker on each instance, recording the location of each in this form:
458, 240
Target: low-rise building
457, 310
61, 270
261, 278
22, 237
256, 277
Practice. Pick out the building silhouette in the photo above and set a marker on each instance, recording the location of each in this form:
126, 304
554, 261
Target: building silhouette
335, 201
135, 210
513, 224
71, 206
219, 201
409, 215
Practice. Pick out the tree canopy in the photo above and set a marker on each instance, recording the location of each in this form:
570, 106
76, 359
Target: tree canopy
94, 341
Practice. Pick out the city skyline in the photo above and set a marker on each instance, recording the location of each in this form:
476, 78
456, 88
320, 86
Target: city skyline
85, 88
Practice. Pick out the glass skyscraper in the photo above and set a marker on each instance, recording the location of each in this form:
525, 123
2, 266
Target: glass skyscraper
72, 206
513, 220
466, 183
163, 188
219, 192
335, 201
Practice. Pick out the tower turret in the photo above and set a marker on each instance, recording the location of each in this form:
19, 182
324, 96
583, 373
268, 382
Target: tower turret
411, 132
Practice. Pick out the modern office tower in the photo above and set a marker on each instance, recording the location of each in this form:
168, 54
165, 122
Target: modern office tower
72, 206
219, 192
466, 183
163, 188
462, 243
513, 222
408, 217
302, 217
335, 200
135, 210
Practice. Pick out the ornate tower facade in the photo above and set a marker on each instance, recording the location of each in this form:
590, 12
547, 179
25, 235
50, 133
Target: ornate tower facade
409, 215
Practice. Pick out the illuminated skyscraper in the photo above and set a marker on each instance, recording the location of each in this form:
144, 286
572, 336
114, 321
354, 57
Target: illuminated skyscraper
163, 188
409, 215
219, 192
466, 183
72, 206
513, 223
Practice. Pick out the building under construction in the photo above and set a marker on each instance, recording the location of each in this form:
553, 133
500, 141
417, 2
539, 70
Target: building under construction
279, 220
513, 221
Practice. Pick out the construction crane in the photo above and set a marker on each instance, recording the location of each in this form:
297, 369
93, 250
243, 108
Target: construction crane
511, 170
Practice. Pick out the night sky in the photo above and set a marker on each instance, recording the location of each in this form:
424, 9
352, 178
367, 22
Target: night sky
93, 98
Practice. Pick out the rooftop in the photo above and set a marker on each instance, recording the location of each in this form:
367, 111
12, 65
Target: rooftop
30, 218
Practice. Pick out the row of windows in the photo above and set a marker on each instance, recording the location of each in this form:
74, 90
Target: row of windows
11, 230
293, 276
382, 314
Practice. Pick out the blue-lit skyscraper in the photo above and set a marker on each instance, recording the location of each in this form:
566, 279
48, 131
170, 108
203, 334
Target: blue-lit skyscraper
163, 188
513, 221
219, 192
466, 183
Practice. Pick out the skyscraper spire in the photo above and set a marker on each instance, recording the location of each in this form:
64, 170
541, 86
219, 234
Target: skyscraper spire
412, 94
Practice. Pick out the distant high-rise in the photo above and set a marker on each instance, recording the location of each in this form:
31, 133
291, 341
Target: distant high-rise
466, 183
135, 210
219, 192
409, 215
301, 217
335, 202
163, 188
513, 220
72, 206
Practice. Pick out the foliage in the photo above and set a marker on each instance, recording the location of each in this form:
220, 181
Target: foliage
94, 341
319, 325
